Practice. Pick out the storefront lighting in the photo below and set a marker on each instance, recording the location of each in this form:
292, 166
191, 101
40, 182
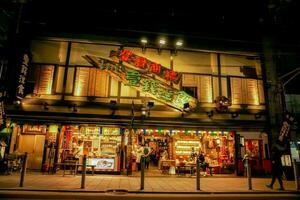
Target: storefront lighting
179, 43
46, 106
144, 43
144, 111
161, 43
234, 115
257, 115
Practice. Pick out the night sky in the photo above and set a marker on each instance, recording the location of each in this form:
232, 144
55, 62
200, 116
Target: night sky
216, 22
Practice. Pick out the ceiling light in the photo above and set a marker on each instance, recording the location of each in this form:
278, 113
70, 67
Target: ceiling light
144, 41
162, 42
179, 43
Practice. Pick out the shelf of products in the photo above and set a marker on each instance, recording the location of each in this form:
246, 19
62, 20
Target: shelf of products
184, 147
110, 140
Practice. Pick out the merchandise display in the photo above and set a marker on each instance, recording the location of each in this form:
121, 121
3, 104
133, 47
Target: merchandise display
184, 147
100, 144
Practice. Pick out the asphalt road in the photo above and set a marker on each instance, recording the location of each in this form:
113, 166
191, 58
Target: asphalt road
142, 196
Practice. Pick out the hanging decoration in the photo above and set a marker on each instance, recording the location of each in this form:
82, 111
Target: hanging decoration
222, 104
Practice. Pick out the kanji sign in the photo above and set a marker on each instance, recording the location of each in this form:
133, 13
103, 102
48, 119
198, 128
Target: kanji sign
286, 126
145, 65
22, 76
144, 83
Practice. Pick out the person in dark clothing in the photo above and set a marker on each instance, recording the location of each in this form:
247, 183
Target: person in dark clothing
147, 152
276, 165
202, 162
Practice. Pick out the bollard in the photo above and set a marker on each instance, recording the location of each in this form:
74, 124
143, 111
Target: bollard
249, 174
142, 172
83, 172
23, 172
198, 175
296, 174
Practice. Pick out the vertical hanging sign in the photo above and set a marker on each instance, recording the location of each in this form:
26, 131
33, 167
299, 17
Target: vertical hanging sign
286, 126
22, 76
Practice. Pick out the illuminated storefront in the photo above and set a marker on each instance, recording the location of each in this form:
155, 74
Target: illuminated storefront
97, 93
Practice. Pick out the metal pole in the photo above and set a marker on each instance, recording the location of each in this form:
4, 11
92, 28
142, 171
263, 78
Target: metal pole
296, 174
23, 172
198, 175
249, 174
142, 172
83, 172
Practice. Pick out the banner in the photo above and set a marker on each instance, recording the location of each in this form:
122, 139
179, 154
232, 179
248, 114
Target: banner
144, 65
286, 126
144, 83
20, 93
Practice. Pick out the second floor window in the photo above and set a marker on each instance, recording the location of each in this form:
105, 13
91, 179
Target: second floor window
90, 82
43, 79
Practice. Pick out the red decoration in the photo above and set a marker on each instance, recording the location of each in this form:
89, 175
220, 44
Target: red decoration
155, 68
125, 54
170, 75
141, 62
222, 104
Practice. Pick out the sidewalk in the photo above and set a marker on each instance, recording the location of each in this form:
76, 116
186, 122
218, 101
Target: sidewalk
102, 183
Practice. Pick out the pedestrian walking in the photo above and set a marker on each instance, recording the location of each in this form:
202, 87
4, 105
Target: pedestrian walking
276, 165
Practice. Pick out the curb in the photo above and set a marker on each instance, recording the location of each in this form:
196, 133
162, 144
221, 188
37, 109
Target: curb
124, 191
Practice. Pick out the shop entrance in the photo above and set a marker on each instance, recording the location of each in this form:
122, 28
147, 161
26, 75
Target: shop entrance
34, 146
175, 152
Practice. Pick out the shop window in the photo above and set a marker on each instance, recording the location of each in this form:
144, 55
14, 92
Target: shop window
194, 62
100, 144
202, 83
70, 80
43, 79
246, 91
252, 148
114, 88
90, 82
127, 91
78, 50
59, 79
243, 66
53, 52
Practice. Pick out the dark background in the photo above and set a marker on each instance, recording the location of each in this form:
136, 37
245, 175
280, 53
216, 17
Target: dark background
214, 24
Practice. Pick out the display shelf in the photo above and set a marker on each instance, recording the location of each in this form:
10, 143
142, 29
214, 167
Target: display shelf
184, 147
